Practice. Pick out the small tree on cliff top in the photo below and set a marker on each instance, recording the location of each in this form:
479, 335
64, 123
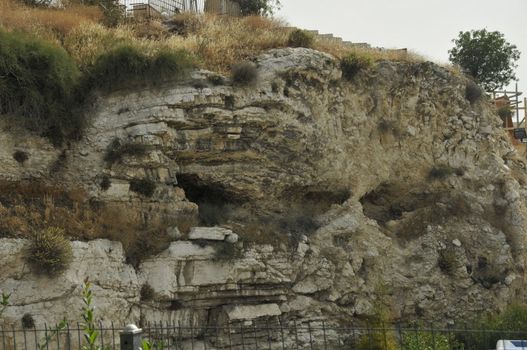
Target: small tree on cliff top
486, 56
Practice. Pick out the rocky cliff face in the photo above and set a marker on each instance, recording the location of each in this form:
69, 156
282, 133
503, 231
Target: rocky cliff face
336, 198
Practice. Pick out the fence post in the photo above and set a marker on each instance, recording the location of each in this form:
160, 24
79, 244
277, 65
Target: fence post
131, 337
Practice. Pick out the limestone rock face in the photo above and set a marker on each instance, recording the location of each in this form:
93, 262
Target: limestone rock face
51, 299
315, 198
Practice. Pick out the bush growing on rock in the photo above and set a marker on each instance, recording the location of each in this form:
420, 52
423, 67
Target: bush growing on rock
37, 81
504, 112
216, 79
353, 63
227, 251
105, 183
20, 156
443, 171
145, 187
4, 302
244, 74
117, 150
447, 261
300, 38
127, 66
28, 321
49, 252
473, 92
147, 292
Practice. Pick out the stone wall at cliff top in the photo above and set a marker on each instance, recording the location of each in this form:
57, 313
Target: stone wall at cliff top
390, 190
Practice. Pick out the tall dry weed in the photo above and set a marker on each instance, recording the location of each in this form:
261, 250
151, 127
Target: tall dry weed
48, 23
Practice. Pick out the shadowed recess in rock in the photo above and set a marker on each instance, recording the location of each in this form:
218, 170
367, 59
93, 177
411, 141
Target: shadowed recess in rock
214, 200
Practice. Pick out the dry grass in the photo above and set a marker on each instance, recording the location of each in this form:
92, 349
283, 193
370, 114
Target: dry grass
222, 41
340, 50
51, 24
219, 41
27, 207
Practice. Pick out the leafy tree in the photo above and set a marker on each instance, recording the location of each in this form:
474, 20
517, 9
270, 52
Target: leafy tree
486, 56
258, 7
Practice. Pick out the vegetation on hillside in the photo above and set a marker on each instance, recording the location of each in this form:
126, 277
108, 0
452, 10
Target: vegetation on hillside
33, 206
55, 62
486, 56
49, 252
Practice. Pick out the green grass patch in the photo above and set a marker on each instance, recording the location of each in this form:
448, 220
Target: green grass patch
145, 187
353, 63
127, 66
41, 85
36, 82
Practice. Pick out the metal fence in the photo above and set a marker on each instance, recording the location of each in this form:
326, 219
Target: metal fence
315, 335
140, 9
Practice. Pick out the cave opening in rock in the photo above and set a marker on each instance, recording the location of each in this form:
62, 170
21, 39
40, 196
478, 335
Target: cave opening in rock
215, 202
389, 201
382, 204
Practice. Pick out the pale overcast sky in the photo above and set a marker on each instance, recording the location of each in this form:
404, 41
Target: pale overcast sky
424, 26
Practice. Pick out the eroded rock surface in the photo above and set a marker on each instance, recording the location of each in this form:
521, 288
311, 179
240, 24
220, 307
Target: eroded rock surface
390, 190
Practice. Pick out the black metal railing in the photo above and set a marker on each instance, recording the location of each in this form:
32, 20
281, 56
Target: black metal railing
313, 335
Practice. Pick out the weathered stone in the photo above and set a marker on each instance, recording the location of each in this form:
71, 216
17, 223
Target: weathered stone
303, 153
173, 233
209, 233
251, 312
232, 238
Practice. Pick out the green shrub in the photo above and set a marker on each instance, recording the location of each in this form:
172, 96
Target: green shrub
28, 321
300, 38
49, 252
447, 261
105, 183
423, 340
244, 73
227, 251
145, 187
127, 66
20, 156
473, 92
144, 245
441, 171
511, 323
505, 112
353, 63
216, 80
388, 126
377, 340
147, 292
36, 81
117, 149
